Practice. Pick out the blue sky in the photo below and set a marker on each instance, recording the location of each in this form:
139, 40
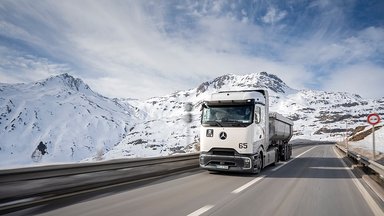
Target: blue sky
141, 49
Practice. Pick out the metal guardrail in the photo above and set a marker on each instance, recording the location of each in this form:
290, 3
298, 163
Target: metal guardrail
30, 173
28, 187
378, 168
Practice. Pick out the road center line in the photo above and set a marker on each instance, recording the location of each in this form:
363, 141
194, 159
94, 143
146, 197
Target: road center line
367, 197
201, 210
285, 163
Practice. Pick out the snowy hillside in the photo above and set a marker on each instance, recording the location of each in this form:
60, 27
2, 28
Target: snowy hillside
64, 117
363, 138
164, 131
317, 115
63, 113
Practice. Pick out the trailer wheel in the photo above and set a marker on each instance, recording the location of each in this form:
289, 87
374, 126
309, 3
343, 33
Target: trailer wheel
285, 153
290, 151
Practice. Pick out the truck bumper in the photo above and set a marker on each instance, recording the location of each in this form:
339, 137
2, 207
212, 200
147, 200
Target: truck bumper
235, 163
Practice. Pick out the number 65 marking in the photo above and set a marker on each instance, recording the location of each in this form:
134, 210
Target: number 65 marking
243, 145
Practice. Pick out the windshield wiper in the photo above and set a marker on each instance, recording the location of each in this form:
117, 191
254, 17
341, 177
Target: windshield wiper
215, 122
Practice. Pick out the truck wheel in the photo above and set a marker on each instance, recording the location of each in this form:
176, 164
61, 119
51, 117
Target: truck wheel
276, 158
262, 161
258, 164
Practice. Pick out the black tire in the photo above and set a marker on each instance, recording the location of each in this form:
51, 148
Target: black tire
259, 164
276, 158
286, 153
262, 160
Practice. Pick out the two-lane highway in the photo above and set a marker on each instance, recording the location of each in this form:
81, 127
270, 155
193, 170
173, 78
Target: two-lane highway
315, 182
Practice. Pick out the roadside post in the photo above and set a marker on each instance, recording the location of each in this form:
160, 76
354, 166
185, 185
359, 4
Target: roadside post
346, 135
188, 119
373, 119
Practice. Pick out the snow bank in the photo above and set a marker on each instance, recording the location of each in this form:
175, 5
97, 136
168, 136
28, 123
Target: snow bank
366, 143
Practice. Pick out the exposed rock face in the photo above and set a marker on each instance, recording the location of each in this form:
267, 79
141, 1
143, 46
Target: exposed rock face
360, 133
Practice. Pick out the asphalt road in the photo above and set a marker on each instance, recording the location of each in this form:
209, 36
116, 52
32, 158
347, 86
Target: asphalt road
315, 182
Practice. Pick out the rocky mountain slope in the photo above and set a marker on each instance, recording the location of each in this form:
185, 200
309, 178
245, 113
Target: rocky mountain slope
77, 124
65, 115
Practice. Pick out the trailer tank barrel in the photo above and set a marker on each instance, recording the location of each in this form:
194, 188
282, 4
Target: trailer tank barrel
280, 127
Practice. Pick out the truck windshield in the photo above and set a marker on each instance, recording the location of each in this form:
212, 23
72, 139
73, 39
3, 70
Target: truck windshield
227, 116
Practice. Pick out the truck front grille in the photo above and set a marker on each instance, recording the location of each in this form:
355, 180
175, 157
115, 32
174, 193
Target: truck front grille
224, 152
227, 163
214, 160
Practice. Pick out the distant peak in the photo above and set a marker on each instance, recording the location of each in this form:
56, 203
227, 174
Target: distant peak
272, 76
65, 76
66, 80
248, 81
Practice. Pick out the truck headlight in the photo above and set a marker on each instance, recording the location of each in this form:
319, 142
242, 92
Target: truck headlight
247, 163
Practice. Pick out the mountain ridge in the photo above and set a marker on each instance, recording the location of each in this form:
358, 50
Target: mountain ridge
77, 124
264, 80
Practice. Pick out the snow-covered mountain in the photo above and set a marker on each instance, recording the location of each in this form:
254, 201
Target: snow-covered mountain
318, 115
77, 124
63, 113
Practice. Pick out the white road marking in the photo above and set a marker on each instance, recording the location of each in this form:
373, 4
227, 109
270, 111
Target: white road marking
201, 210
285, 163
330, 168
238, 190
367, 197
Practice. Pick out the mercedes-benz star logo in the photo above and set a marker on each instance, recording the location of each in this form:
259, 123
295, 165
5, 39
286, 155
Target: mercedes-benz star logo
223, 135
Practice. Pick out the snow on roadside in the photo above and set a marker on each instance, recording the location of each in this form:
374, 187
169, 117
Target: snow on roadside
366, 143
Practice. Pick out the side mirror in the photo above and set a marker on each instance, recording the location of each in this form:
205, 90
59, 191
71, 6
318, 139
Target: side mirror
257, 115
204, 105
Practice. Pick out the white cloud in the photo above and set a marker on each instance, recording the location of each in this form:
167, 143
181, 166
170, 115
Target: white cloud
14, 31
273, 16
362, 47
141, 49
363, 79
128, 47
16, 67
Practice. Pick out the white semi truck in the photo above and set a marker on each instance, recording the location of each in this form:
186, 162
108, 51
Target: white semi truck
238, 133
